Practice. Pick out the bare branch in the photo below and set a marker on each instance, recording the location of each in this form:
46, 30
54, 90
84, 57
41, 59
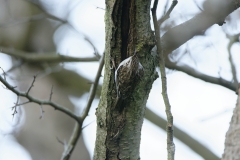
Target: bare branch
194, 73
197, 25
40, 102
165, 7
20, 104
167, 15
88, 124
49, 57
94, 48
100, 8
4, 74
93, 88
198, 5
232, 40
50, 97
34, 79
14, 108
160, 52
72, 142
41, 111
77, 131
61, 142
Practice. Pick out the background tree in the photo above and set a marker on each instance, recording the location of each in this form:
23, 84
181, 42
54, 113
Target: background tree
51, 71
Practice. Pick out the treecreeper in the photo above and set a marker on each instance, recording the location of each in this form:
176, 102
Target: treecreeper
127, 75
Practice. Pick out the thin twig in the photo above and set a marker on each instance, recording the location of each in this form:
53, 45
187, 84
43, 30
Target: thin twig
41, 111
165, 7
50, 97
194, 73
20, 104
232, 40
160, 51
100, 8
77, 130
167, 15
4, 74
14, 108
34, 79
40, 102
198, 5
61, 142
88, 124
72, 142
96, 53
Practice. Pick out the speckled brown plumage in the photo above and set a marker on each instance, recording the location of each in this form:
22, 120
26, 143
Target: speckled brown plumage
127, 75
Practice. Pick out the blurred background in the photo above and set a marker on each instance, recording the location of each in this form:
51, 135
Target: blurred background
75, 28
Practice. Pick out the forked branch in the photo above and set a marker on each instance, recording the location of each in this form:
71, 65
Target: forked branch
37, 101
160, 52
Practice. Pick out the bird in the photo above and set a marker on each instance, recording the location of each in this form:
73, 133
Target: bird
127, 75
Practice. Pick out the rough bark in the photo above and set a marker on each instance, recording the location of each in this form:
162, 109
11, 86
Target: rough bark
232, 141
127, 28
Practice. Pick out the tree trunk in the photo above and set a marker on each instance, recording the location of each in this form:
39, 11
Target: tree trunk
127, 29
232, 141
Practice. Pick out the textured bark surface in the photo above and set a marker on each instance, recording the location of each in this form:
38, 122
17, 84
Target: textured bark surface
232, 141
127, 28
